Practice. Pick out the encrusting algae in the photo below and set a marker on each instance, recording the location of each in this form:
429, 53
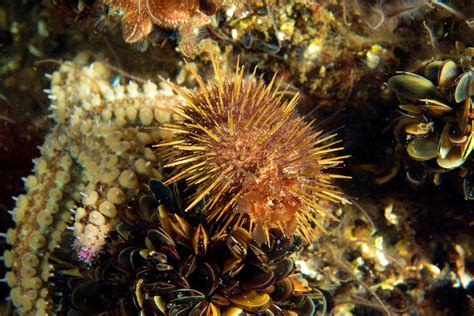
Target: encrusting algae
249, 153
92, 163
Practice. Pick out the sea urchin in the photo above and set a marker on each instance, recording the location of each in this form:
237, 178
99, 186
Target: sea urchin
251, 156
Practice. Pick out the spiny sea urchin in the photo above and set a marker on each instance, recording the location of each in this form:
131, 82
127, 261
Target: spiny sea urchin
252, 156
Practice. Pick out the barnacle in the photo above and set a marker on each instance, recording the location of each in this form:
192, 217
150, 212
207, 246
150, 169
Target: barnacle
174, 267
140, 16
249, 153
438, 112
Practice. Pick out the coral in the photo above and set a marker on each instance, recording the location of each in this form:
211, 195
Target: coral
251, 156
93, 162
174, 267
139, 16
438, 114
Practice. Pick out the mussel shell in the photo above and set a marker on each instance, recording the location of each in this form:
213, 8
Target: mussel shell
163, 267
434, 108
186, 296
158, 288
156, 257
171, 253
452, 160
432, 70
253, 277
208, 7
233, 311
419, 129
163, 194
305, 307
148, 208
444, 145
282, 291
232, 267
456, 138
136, 259
464, 87
247, 40
399, 129
200, 241
267, 47
237, 247
283, 268
410, 110
205, 278
423, 149
468, 187
180, 226
220, 250
467, 147
463, 115
448, 72
124, 258
276, 310
139, 296
144, 253
157, 238
242, 235
300, 285
251, 301
178, 309
220, 300
229, 287
205, 308
188, 266
124, 230
411, 87
257, 255
165, 221
160, 303
282, 246
113, 273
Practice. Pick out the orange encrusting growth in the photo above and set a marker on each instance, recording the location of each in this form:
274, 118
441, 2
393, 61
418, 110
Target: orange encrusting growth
139, 16
252, 156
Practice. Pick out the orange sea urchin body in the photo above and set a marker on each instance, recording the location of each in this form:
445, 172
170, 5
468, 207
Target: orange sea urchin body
253, 156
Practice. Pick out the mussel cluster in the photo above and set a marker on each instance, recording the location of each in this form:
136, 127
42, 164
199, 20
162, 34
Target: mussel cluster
166, 264
437, 113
